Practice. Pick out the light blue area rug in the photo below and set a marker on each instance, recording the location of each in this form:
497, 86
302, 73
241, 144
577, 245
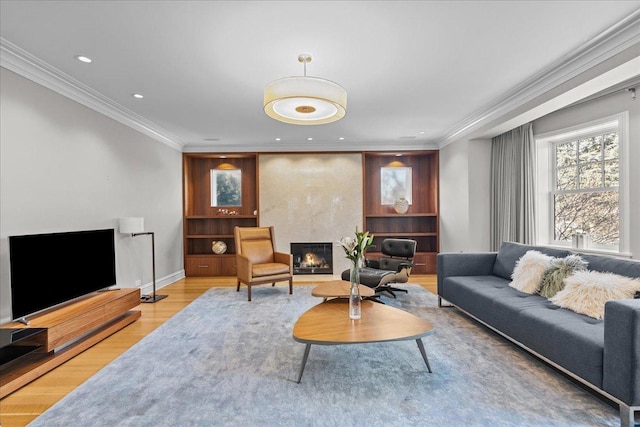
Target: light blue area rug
225, 361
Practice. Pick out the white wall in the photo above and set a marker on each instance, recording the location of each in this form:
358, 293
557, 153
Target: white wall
479, 156
454, 197
600, 108
311, 198
64, 167
464, 196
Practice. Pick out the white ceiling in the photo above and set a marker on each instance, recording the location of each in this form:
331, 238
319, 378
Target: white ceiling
408, 66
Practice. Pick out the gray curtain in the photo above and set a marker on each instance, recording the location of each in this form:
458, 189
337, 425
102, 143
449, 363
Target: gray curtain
513, 157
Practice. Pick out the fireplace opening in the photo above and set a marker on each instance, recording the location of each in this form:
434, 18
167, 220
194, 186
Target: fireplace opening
312, 258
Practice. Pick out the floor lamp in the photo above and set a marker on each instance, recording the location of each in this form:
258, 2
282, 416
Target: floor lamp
135, 227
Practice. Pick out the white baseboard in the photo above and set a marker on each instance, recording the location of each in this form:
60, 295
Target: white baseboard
161, 282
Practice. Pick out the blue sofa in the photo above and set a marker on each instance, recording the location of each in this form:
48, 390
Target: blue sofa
603, 354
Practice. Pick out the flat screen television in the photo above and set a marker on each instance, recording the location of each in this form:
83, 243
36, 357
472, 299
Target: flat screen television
50, 269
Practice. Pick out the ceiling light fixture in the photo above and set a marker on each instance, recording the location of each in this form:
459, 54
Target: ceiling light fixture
82, 58
138, 95
302, 100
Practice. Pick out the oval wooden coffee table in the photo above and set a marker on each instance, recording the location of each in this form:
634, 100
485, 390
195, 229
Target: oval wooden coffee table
328, 323
339, 289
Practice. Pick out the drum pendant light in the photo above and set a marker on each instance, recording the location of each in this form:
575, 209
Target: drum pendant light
304, 100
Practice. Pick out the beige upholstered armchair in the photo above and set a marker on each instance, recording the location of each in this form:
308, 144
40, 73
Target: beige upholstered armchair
257, 260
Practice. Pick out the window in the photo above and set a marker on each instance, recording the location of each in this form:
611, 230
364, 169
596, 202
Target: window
584, 189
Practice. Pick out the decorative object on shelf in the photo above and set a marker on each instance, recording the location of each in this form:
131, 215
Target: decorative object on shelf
395, 182
580, 240
218, 247
227, 212
354, 250
135, 227
303, 100
401, 205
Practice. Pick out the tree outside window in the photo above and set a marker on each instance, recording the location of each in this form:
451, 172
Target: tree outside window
585, 188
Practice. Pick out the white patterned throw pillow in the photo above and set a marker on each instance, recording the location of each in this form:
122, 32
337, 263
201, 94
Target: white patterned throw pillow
528, 271
586, 292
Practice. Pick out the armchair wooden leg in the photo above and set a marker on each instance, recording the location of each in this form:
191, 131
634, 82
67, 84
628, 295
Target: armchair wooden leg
291, 286
248, 292
238, 287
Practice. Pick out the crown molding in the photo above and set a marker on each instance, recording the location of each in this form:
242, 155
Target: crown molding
604, 46
311, 147
30, 67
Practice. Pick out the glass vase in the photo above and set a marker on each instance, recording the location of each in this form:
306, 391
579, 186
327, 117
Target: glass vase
355, 310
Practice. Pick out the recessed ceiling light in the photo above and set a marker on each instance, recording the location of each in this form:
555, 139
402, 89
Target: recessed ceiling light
309, 139
341, 138
138, 95
82, 58
277, 139
421, 132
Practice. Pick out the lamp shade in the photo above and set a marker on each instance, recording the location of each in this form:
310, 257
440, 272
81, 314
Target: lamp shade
131, 225
305, 100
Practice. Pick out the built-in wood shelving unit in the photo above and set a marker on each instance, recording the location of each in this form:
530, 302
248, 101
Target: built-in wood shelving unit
205, 224
421, 221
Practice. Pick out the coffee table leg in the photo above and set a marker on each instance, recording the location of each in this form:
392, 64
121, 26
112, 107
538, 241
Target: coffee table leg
304, 361
422, 351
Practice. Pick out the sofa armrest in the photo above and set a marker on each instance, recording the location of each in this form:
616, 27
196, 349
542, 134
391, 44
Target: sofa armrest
464, 264
621, 371
284, 258
243, 268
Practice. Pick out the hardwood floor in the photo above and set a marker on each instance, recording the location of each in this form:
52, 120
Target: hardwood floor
24, 405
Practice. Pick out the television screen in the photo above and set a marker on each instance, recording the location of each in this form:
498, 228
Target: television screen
49, 269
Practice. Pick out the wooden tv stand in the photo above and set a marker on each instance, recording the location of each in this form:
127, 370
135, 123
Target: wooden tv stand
69, 330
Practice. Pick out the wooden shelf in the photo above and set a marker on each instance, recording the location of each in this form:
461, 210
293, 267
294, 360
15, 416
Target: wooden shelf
209, 236
220, 216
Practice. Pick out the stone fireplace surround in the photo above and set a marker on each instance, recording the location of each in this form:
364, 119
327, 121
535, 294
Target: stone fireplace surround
311, 198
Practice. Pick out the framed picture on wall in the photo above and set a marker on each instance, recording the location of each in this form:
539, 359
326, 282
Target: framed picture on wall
226, 187
395, 182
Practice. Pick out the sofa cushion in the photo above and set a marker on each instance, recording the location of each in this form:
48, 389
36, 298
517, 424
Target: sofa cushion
533, 321
572, 340
624, 267
488, 298
528, 272
586, 292
269, 269
511, 252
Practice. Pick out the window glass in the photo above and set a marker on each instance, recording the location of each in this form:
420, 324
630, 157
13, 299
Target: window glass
585, 192
566, 178
590, 149
566, 154
611, 146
